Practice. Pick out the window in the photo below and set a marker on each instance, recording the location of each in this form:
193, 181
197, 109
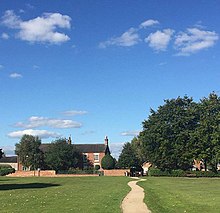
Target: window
96, 157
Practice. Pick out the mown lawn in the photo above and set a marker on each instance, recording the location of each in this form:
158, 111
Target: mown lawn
193, 195
66, 194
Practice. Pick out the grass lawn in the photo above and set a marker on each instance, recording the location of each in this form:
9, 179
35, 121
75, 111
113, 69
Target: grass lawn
63, 194
194, 195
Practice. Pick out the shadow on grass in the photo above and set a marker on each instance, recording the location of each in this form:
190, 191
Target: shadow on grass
27, 186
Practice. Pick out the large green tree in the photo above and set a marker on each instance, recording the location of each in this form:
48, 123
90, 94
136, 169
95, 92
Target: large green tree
62, 156
28, 151
128, 157
166, 134
207, 135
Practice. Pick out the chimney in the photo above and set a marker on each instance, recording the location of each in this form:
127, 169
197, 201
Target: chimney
69, 140
106, 140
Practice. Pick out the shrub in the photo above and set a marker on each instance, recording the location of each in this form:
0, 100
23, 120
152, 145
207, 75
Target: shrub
6, 171
97, 167
108, 162
180, 173
3, 166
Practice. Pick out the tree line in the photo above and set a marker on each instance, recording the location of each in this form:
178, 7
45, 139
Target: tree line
59, 155
176, 134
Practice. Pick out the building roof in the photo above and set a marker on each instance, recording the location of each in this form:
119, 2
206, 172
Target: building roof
12, 159
90, 148
83, 148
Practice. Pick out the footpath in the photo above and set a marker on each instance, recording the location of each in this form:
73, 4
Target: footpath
133, 202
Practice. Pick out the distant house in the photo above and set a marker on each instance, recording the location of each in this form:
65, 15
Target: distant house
92, 153
12, 161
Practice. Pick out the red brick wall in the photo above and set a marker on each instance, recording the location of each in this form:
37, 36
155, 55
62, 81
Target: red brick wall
115, 172
42, 173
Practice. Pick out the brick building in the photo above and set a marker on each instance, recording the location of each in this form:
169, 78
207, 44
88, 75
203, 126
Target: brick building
92, 153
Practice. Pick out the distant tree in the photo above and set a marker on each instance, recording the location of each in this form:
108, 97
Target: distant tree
28, 151
1, 153
207, 135
62, 156
167, 133
128, 158
108, 162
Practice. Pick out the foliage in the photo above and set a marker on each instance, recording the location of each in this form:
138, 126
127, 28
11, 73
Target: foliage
62, 156
180, 173
181, 194
207, 135
108, 162
90, 194
97, 167
166, 134
127, 158
28, 151
6, 169
1, 153
172, 173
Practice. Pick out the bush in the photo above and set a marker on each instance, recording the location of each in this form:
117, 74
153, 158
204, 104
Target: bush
6, 171
180, 173
108, 162
97, 167
78, 171
3, 166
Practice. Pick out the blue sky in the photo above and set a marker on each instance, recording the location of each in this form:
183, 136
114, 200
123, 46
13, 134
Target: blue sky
92, 68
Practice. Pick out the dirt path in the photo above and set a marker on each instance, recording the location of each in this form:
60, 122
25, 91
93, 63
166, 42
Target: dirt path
133, 202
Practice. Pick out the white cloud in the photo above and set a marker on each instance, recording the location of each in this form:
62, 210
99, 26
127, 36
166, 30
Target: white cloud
41, 29
35, 121
160, 39
127, 39
116, 149
8, 150
40, 133
130, 133
74, 112
194, 40
1, 66
15, 75
35, 67
148, 23
5, 36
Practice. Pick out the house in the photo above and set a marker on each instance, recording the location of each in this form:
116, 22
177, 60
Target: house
145, 166
92, 153
12, 161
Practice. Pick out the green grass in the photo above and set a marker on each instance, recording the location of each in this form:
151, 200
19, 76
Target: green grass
169, 195
66, 194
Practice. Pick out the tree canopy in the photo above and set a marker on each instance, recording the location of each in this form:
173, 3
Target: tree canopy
178, 132
62, 156
108, 162
28, 151
127, 158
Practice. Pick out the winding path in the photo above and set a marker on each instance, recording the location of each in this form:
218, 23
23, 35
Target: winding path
133, 202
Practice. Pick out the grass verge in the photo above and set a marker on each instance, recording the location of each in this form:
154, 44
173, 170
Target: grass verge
66, 194
194, 195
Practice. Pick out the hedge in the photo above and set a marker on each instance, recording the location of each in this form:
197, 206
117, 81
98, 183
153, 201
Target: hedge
180, 173
6, 171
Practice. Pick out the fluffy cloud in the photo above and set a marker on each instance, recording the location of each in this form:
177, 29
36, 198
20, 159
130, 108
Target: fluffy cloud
15, 75
130, 133
40, 29
195, 40
160, 39
8, 150
35, 121
74, 112
127, 39
148, 23
40, 133
116, 149
5, 36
